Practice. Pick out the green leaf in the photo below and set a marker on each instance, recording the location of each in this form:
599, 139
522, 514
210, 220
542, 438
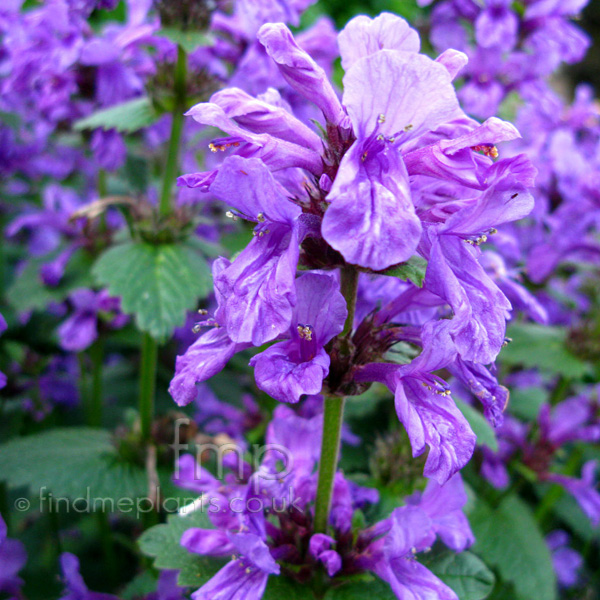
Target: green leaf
139, 587
282, 588
541, 346
188, 40
509, 540
486, 436
525, 403
162, 543
411, 270
75, 463
127, 117
359, 590
157, 283
28, 291
465, 573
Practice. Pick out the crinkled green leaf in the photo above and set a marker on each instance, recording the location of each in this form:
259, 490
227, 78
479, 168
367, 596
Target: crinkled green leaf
139, 587
28, 291
282, 588
75, 462
525, 403
127, 117
188, 40
162, 542
465, 573
509, 540
156, 283
411, 270
541, 346
359, 590
486, 436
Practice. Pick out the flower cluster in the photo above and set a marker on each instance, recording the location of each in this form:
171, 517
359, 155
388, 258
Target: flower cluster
402, 176
512, 46
263, 519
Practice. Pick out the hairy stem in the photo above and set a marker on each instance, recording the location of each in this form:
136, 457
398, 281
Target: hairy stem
333, 417
349, 286
147, 385
179, 106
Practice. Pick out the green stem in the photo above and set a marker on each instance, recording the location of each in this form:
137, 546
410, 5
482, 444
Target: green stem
147, 384
94, 417
333, 417
555, 493
179, 107
84, 390
108, 549
102, 184
349, 285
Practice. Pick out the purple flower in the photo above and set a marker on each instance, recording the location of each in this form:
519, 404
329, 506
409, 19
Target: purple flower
320, 549
75, 587
289, 369
302, 73
12, 559
245, 577
80, 330
215, 416
454, 273
277, 153
371, 219
206, 356
497, 26
409, 534
109, 149
258, 288
443, 504
425, 408
584, 490
412, 529
567, 562
572, 420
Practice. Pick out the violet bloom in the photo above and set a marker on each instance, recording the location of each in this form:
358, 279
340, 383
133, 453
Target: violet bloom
80, 330
215, 416
258, 288
207, 355
248, 573
75, 587
413, 529
273, 148
508, 50
167, 588
386, 231
244, 505
567, 562
425, 408
454, 273
571, 420
289, 369
12, 559
584, 490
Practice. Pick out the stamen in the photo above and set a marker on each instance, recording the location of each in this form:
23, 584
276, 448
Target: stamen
305, 332
215, 147
381, 119
486, 149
